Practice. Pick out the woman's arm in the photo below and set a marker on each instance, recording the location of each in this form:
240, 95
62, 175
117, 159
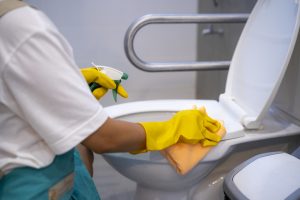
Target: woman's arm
117, 136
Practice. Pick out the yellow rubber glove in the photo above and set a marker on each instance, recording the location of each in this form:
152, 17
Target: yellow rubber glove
91, 74
188, 126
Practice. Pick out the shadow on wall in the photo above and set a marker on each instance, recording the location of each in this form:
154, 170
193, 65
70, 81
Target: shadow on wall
218, 44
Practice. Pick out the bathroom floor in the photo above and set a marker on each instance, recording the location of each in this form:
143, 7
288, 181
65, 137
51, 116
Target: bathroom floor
110, 184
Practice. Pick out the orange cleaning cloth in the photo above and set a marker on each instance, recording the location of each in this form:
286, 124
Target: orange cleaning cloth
183, 157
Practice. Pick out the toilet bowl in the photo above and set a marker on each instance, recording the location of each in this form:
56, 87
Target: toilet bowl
257, 68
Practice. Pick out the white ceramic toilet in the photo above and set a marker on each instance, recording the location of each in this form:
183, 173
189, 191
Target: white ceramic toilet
257, 68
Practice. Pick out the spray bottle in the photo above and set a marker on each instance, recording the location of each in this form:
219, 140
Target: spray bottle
116, 75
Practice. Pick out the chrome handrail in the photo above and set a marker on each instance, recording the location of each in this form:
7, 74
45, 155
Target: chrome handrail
177, 19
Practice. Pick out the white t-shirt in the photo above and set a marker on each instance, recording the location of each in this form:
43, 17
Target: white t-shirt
46, 107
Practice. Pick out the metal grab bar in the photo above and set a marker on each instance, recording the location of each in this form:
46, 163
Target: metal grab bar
176, 19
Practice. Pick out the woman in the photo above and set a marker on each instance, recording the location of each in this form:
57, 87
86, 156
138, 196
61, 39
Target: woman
47, 110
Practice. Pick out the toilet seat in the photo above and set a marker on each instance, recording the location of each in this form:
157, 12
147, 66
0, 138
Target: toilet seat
260, 60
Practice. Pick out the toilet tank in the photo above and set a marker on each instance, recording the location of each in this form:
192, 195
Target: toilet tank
288, 96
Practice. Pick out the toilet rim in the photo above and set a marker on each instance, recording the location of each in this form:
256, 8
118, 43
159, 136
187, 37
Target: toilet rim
166, 105
214, 109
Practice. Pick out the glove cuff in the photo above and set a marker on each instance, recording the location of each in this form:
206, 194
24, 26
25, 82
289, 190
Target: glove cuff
151, 130
155, 130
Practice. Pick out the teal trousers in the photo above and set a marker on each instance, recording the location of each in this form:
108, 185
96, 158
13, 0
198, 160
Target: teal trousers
64, 179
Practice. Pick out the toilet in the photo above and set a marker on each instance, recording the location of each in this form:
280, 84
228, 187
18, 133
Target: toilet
258, 66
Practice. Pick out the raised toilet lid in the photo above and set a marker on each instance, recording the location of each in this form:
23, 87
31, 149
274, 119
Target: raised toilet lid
260, 59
